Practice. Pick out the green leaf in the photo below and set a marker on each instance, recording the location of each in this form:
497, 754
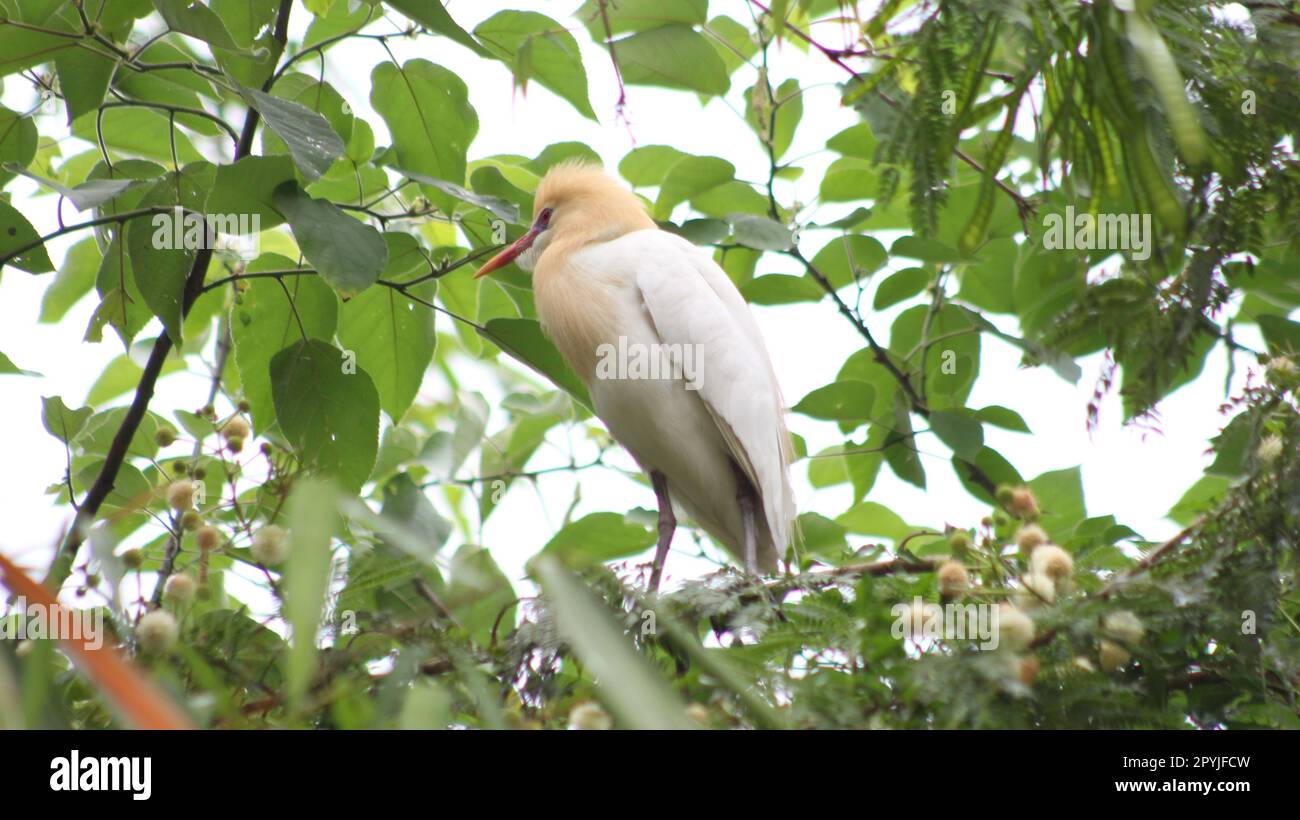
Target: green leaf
131, 490
1232, 448
121, 304
163, 250
328, 410
627, 683
433, 15
392, 336
903, 459
320, 98
597, 538
900, 446
821, 535
558, 152
737, 43
494, 205
266, 320
408, 510
8, 368
855, 141
926, 250
649, 164
508, 451
952, 363
16, 233
847, 399
760, 232
1060, 501
1198, 499
427, 110
993, 465
700, 231
427, 705
313, 520
1002, 417
848, 462
346, 252
491, 180
196, 20
847, 259
1281, 335
990, 284
900, 287
444, 453
61, 422
638, 15
780, 118
18, 140
137, 132
100, 432
89, 194
781, 289
672, 56
524, 340
553, 56
74, 280
319, 8
312, 141
849, 180
251, 24
122, 375
248, 187
478, 593
84, 75
870, 518
160, 273
21, 48
689, 178
963, 434
715, 664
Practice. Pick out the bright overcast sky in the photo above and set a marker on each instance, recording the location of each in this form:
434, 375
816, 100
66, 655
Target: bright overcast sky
1133, 473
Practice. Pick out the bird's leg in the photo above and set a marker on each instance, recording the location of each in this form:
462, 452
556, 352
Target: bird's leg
667, 525
745, 498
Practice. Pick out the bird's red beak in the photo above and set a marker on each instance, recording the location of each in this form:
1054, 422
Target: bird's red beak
509, 255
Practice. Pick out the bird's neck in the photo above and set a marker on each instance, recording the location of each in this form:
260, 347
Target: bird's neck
577, 304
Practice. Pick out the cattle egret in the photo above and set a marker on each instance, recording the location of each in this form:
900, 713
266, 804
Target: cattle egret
706, 419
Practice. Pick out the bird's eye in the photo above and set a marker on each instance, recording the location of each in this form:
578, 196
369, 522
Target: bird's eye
543, 219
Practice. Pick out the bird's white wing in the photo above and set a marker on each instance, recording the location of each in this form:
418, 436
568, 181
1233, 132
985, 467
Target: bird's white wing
691, 301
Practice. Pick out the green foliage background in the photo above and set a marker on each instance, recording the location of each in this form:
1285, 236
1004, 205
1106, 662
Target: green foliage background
1170, 109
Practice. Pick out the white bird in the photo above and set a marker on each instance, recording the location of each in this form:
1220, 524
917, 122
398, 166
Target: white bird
606, 279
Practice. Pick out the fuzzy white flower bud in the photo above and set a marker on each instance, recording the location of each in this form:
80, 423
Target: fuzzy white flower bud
180, 495
270, 545
589, 716
157, 632
1015, 628
1124, 625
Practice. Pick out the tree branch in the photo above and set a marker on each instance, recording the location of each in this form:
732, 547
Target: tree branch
67, 552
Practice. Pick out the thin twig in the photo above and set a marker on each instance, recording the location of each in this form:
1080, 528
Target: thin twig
65, 557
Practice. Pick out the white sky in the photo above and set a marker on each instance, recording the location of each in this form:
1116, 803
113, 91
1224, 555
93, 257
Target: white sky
1132, 473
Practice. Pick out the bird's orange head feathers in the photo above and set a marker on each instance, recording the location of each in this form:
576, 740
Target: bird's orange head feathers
583, 198
576, 204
